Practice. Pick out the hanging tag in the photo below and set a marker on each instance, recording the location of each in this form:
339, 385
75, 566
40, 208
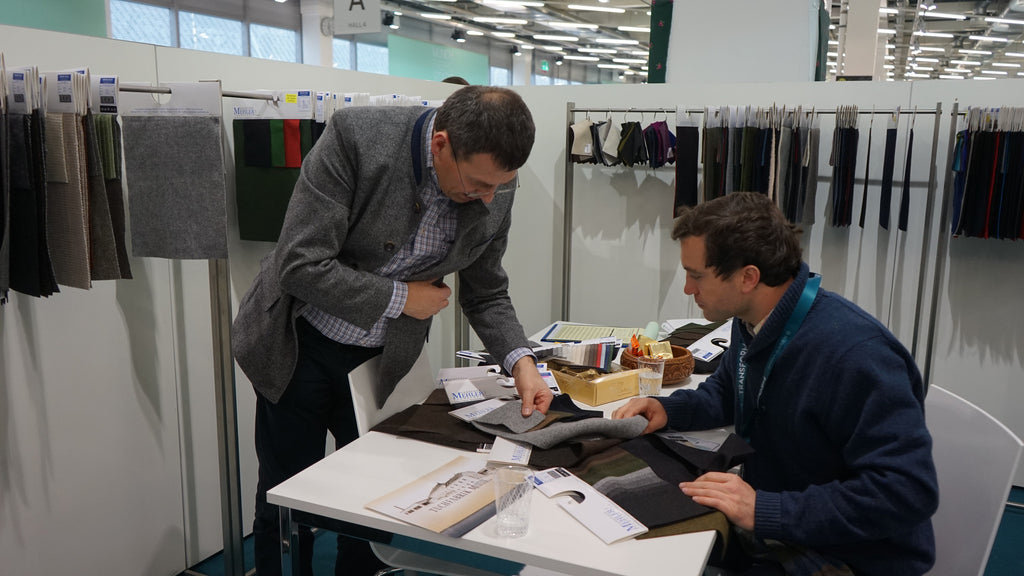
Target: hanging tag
187, 99
104, 95
20, 97
319, 112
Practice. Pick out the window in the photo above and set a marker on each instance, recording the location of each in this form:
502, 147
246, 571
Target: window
371, 58
500, 76
273, 43
541, 80
209, 33
342, 53
140, 23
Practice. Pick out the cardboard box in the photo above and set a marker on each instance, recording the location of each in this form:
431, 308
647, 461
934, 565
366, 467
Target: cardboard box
600, 390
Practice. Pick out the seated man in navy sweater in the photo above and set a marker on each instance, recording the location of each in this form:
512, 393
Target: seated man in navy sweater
842, 480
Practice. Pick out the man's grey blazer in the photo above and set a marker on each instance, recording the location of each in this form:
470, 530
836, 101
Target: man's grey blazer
357, 202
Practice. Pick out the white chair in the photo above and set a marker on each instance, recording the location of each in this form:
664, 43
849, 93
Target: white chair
412, 389
975, 459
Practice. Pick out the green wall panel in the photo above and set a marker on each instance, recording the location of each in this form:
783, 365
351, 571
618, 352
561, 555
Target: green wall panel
87, 17
415, 59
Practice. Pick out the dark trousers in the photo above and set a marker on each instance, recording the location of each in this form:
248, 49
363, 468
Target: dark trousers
290, 436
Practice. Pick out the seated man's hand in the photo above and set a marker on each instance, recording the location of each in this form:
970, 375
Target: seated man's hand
727, 493
531, 387
648, 408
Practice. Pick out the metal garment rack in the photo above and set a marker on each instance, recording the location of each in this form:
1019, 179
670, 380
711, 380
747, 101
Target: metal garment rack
942, 239
224, 382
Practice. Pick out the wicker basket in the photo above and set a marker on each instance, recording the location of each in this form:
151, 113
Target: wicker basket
677, 369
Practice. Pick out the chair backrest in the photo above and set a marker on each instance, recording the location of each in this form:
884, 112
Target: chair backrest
412, 389
975, 460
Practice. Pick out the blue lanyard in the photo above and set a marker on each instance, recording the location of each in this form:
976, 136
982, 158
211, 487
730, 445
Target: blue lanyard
796, 318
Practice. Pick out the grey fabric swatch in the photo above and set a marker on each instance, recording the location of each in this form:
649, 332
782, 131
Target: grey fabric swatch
174, 174
115, 194
103, 261
66, 220
557, 432
510, 415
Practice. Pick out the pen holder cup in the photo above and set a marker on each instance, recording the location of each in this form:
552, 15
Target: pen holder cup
677, 368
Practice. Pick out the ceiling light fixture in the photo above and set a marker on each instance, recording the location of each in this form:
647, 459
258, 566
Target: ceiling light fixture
988, 39
931, 49
582, 58
598, 50
388, 19
619, 41
995, 72
596, 8
950, 77
571, 25
458, 36
503, 34
623, 67
886, 31
945, 15
559, 60
1005, 21
474, 33
513, 4
984, 78
526, 46
1013, 54
515, 51
1005, 65
644, 29
933, 34
923, 59
555, 38
435, 16
498, 20
629, 61
965, 62
969, 51
888, 11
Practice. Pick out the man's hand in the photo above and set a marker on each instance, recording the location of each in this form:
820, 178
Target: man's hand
426, 298
531, 387
648, 408
727, 493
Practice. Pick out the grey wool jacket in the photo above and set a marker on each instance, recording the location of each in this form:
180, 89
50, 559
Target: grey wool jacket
357, 202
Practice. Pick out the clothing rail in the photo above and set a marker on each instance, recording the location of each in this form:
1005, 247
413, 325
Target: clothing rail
224, 381
942, 240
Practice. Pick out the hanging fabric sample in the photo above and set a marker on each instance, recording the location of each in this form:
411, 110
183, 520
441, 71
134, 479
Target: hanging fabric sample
867, 172
687, 159
103, 263
5, 207
888, 165
174, 169
809, 163
109, 137
262, 190
67, 221
31, 271
989, 174
714, 156
610, 143
582, 149
632, 148
905, 195
597, 130
844, 164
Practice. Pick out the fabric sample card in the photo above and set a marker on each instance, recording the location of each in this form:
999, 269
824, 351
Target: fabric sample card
67, 226
31, 271
687, 144
262, 192
174, 172
103, 253
548, 436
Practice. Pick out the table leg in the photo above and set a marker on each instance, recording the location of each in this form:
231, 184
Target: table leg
290, 547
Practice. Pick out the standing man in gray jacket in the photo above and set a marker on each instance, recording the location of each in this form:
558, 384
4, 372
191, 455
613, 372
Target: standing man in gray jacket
389, 202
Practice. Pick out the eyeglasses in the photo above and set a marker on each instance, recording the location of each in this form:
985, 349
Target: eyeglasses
505, 188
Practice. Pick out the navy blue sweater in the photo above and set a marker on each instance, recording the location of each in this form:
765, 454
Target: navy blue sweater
843, 460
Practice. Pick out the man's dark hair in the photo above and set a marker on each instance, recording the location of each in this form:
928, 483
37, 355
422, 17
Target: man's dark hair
456, 80
742, 229
488, 120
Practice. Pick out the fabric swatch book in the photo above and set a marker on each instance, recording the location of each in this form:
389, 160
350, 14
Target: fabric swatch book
452, 499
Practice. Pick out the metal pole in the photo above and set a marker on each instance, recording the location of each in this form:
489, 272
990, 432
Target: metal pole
227, 418
942, 250
929, 211
567, 215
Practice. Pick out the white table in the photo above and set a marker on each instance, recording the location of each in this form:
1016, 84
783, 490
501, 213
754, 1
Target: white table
338, 487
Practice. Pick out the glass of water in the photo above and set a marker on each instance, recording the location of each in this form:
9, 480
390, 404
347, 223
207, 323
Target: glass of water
651, 372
